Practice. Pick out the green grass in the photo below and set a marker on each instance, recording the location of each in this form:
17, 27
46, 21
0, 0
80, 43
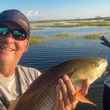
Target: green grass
63, 36
69, 36
69, 23
36, 40
93, 36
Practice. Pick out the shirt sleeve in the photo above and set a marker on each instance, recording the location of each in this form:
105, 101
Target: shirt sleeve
2, 106
27, 76
4, 103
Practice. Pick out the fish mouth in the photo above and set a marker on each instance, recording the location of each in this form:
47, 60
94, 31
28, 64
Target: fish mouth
105, 63
107, 71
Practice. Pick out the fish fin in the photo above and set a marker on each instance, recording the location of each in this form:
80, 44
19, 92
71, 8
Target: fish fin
84, 87
83, 99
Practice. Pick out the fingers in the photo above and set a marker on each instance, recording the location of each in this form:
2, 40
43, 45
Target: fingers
65, 94
59, 99
71, 90
70, 87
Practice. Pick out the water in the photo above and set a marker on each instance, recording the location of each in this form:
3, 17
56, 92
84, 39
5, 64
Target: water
45, 55
74, 30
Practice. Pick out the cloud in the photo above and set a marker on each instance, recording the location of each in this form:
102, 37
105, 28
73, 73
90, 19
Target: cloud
32, 14
39, 15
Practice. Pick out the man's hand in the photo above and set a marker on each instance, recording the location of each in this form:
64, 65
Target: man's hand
65, 94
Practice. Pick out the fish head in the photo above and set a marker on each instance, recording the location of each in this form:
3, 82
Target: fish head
98, 68
94, 69
88, 69
101, 66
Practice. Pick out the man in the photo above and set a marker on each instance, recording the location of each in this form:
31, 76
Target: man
14, 78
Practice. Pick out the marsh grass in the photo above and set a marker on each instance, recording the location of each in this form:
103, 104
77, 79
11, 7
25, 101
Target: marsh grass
36, 40
69, 36
64, 36
70, 23
93, 36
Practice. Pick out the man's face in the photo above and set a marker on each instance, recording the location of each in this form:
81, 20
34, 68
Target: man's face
11, 49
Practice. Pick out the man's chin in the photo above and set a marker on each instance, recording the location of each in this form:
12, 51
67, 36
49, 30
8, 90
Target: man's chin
6, 59
5, 55
4, 63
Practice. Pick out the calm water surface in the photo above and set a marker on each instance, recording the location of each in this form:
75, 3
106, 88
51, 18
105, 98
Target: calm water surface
73, 30
45, 55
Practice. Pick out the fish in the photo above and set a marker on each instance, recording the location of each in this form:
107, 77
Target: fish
41, 93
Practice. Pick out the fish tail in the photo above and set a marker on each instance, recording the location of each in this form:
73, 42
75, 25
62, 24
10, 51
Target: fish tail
81, 98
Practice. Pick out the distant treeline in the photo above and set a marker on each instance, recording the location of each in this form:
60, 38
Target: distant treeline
99, 21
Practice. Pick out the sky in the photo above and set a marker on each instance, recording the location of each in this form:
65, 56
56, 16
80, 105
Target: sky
59, 9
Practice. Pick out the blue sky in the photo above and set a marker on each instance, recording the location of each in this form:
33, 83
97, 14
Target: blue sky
58, 9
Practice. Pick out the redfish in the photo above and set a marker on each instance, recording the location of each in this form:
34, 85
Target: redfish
41, 93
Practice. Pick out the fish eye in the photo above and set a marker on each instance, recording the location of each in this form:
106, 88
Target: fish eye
97, 65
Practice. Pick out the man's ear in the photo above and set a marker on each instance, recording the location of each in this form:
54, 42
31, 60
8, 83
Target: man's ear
27, 44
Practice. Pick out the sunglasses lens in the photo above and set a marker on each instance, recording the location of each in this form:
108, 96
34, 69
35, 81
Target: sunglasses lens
3, 31
19, 35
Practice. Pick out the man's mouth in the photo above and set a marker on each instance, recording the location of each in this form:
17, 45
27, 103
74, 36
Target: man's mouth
6, 48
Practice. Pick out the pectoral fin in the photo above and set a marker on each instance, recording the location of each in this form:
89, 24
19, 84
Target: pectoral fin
83, 99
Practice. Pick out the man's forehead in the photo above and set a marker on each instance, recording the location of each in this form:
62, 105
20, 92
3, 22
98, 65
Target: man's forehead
10, 25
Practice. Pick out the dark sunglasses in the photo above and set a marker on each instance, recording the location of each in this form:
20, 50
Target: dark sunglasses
18, 34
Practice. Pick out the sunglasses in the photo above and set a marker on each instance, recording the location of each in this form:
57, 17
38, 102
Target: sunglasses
17, 34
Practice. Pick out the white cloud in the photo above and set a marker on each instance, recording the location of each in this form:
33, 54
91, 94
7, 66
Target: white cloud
39, 15
32, 14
